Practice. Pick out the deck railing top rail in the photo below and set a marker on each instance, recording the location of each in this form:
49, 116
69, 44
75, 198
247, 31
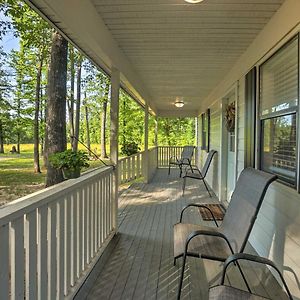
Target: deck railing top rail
24, 205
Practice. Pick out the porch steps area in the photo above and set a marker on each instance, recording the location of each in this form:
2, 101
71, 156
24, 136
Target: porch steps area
140, 266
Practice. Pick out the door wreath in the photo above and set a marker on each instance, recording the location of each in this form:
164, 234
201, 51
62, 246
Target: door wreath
230, 117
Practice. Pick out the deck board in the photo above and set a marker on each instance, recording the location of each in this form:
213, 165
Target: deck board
141, 264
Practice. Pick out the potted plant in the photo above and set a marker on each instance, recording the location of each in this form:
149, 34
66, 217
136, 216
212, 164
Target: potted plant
70, 162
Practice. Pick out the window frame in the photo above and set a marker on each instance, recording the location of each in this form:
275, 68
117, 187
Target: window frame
289, 111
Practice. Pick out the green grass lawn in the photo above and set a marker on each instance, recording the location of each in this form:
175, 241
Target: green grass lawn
17, 177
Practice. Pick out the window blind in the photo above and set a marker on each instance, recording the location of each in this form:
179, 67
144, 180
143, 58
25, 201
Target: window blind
279, 80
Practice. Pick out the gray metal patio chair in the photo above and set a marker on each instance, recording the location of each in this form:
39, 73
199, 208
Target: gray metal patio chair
232, 235
224, 292
197, 174
184, 160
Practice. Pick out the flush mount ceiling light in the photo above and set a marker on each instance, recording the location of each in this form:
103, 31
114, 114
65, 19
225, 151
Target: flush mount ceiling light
179, 103
193, 1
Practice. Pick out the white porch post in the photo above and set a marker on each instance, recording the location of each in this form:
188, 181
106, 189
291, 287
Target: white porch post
197, 152
114, 132
156, 132
146, 153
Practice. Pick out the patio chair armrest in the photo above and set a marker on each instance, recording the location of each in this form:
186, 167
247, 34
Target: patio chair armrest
206, 232
198, 205
254, 258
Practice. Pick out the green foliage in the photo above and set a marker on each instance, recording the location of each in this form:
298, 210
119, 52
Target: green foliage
130, 148
69, 160
176, 131
131, 121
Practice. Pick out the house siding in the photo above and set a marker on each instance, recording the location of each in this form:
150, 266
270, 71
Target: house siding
276, 233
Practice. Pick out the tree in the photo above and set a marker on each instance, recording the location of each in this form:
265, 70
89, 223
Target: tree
87, 123
35, 35
4, 104
70, 101
104, 118
78, 102
56, 139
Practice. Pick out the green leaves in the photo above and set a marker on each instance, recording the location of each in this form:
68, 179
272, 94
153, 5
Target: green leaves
69, 159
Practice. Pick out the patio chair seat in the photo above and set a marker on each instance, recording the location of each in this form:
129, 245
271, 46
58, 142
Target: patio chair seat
224, 292
204, 246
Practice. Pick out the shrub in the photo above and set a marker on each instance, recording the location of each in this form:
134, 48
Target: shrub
130, 148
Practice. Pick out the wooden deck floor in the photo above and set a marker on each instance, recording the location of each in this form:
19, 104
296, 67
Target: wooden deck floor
141, 264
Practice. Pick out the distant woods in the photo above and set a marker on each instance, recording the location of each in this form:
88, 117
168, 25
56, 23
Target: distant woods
51, 94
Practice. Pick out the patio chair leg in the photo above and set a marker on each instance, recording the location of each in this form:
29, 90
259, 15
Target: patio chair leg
181, 276
174, 261
169, 169
206, 188
183, 185
180, 167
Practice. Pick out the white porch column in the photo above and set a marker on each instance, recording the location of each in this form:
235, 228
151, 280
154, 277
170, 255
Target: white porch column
114, 132
197, 136
146, 153
156, 132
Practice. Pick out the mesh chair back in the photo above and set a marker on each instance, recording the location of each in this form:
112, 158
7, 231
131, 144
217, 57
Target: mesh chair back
244, 206
187, 152
208, 162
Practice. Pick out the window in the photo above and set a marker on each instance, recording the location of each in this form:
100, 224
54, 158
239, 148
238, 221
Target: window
278, 111
205, 126
279, 147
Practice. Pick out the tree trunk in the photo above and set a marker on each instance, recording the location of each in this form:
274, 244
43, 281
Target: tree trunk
88, 140
55, 138
78, 100
71, 100
1, 138
41, 123
18, 142
36, 133
103, 124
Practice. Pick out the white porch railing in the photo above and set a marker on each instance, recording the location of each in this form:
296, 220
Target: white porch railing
131, 167
166, 152
50, 240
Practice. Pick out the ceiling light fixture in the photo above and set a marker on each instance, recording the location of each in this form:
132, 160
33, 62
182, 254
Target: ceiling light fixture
179, 103
193, 1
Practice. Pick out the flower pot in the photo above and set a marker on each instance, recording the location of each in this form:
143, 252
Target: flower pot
71, 173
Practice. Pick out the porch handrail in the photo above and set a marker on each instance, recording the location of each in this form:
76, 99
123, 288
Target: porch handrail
50, 240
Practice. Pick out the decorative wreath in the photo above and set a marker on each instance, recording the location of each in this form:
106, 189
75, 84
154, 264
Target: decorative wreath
230, 117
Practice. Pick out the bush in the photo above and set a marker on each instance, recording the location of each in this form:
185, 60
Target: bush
130, 148
69, 160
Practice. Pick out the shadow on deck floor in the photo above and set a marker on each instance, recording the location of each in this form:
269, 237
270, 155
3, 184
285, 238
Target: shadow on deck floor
141, 264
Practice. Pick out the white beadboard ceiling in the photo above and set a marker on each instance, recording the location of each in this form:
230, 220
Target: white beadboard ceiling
174, 49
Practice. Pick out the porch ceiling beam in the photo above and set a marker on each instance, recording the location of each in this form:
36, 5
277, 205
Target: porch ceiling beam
81, 24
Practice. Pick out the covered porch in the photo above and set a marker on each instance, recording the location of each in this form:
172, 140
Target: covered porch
80, 239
